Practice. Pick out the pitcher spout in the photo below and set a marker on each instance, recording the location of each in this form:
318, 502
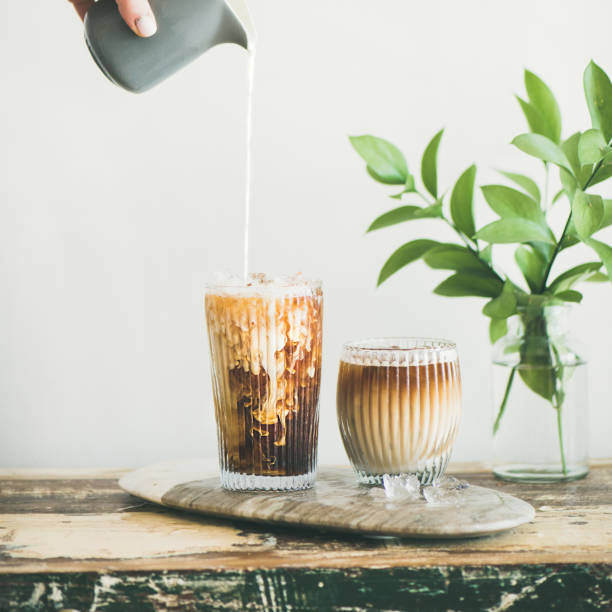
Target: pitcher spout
240, 10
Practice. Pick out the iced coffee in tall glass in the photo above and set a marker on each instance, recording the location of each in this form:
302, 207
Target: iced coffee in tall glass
265, 347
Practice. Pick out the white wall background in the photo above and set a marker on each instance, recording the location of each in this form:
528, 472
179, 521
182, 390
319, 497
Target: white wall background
115, 209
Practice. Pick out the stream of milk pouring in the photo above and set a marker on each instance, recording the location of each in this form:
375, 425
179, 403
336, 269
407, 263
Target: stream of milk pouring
249, 160
240, 9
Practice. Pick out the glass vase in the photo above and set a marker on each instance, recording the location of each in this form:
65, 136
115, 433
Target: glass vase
540, 427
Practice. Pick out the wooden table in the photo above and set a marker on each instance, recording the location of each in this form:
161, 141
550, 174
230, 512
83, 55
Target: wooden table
74, 540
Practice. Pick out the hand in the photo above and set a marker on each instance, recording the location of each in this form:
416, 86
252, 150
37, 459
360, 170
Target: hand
136, 13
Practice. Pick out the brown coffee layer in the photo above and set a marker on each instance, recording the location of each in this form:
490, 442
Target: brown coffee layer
394, 419
266, 362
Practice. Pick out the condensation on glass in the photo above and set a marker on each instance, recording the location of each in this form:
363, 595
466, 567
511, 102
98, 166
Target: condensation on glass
265, 345
399, 406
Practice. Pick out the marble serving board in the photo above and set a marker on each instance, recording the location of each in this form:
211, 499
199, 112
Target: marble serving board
336, 503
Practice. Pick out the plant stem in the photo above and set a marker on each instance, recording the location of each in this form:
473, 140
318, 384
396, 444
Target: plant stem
423, 197
564, 233
469, 244
558, 408
502, 407
597, 167
559, 397
554, 255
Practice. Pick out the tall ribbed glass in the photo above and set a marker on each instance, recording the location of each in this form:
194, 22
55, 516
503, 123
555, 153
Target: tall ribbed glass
399, 406
265, 347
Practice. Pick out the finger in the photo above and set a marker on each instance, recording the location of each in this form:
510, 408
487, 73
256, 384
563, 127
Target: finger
139, 16
81, 6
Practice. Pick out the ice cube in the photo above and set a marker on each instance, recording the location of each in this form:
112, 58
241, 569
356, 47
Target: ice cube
402, 487
448, 490
450, 482
434, 494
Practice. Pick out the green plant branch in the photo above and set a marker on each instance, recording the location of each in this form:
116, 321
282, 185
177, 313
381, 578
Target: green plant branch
472, 245
564, 233
556, 251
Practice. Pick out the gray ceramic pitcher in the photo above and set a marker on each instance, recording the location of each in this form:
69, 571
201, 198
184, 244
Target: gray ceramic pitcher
185, 30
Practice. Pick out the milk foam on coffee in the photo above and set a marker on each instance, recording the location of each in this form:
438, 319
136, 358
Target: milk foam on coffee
265, 340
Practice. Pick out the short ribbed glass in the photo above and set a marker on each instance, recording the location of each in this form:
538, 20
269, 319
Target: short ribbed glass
265, 347
399, 406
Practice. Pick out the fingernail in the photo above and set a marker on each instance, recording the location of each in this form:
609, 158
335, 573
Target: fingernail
146, 26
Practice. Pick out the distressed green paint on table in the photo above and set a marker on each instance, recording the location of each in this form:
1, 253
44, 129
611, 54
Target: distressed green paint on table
81, 543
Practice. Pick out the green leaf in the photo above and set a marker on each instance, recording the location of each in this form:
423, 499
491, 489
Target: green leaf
407, 253
506, 231
570, 184
532, 265
542, 98
486, 254
570, 148
540, 379
597, 277
435, 210
498, 328
575, 275
587, 213
606, 219
591, 147
570, 296
543, 148
544, 249
581, 172
429, 165
382, 179
405, 213
536, 122
393, 217
385, 161
503, 306
604, 173
528, 184
508, 202
603, 251
538, 371
558, 196
598, 92
408, 187
462, 202
455, 257
571, 237
469, 284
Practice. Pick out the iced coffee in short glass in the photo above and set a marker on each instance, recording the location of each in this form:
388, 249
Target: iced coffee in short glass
399, 406
265, 346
